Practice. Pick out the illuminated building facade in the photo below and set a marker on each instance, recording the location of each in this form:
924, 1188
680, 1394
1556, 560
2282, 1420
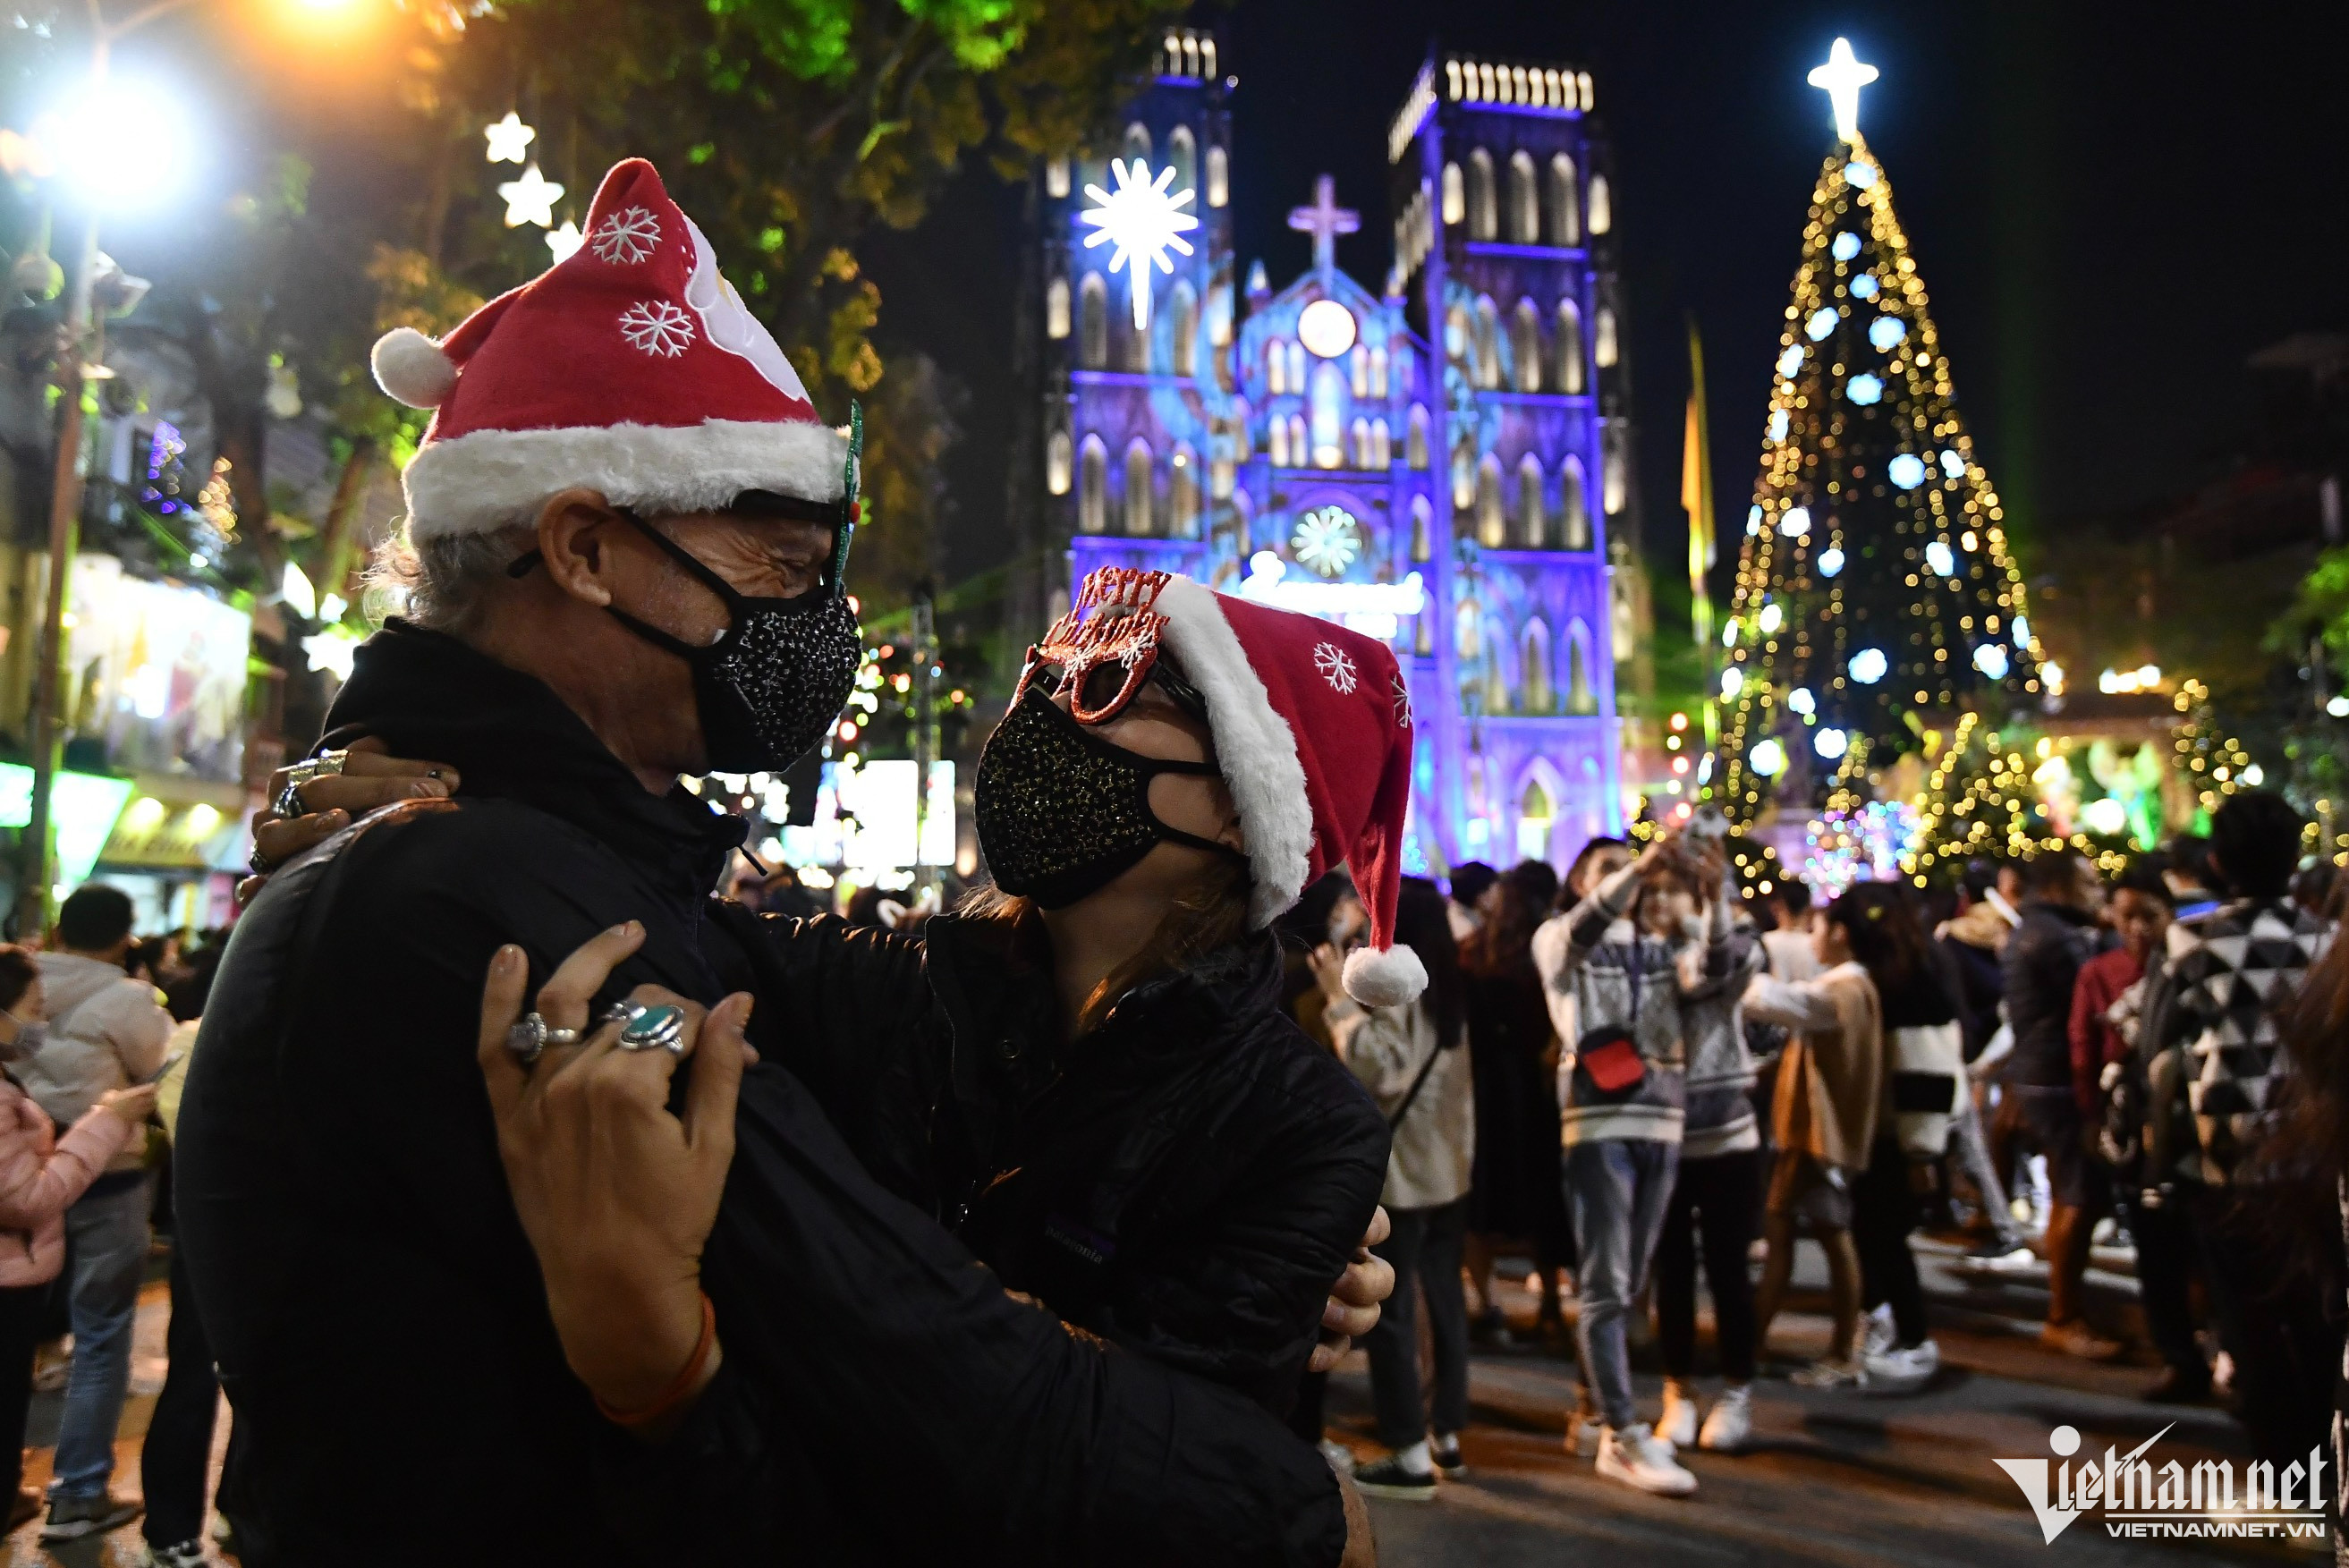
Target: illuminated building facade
1438, 463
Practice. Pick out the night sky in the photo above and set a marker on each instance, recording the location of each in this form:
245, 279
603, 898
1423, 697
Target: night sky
2111, 209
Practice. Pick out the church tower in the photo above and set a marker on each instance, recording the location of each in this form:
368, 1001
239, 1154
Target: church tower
1503, 225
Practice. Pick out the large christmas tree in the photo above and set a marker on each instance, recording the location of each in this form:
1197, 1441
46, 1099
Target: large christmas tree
1876, 603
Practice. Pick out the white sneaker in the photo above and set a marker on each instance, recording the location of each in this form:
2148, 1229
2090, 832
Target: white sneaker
1729, 1424
1902, 1370
1582, 1430
1677, 1425
1636, 1458
1340, 1457
1876, 1333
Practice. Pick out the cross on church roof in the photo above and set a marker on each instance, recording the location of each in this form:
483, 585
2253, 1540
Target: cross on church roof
1325, 220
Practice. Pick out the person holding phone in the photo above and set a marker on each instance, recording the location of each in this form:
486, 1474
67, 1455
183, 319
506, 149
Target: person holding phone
1622, 1095
41, 1175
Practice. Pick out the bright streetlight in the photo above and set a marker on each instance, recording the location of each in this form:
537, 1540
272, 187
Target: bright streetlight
118, 142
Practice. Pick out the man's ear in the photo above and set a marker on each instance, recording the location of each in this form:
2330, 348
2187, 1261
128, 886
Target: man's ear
575, 543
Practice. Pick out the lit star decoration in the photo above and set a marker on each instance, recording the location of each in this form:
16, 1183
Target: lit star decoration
1841, 78
1142, 218
565, 243
530, 198
508, 138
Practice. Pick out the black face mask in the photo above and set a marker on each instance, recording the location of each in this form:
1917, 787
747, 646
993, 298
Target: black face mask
1062, 813
769, 689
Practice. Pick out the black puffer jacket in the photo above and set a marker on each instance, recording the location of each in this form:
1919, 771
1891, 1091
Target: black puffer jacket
378, 1316
1186, 1181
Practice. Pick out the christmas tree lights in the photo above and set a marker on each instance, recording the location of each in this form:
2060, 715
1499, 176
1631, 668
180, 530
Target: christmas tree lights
1875, 599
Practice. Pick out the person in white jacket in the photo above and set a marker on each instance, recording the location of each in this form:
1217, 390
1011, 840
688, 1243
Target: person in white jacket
107, 1031
1414, 1061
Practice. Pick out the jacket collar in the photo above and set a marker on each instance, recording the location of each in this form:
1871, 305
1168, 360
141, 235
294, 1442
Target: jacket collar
425, 693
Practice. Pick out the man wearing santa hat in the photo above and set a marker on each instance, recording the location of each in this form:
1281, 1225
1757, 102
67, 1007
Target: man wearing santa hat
626, 543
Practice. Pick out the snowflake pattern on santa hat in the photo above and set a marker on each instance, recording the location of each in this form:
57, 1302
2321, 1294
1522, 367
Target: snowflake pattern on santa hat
628, 237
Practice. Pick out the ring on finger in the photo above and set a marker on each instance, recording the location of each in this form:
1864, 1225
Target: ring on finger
654, 1026
325, 765
531, 1035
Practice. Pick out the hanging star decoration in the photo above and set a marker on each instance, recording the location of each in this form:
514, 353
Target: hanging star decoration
1142, 218
530, 198
565, 243
508, 138
1841, 78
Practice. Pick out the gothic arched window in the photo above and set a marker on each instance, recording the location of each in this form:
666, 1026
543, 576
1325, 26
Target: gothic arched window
1183, 152
1056, 308
1484, 218
1533, 516
1183, 323
1524, 199
1455, 195
1423, 528
1381, 444
1492, 525
1488, 342
1140, 483
1219, 182
1182, 495
1415, 441
1603, 348
1602, 208
1093, 322
1526, 346
1137, 143
1056, 463
1569, 347
1565, 202
1327, 401
1093, 486
1536, 693
1581, 698
1573, 509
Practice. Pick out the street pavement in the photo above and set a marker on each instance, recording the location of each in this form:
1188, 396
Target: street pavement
1833, 1477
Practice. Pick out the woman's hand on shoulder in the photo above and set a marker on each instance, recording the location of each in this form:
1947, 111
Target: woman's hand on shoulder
370, 778
1329, 967
616, 1194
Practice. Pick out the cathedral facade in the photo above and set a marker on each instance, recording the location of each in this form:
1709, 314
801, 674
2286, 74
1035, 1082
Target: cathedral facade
1440, 462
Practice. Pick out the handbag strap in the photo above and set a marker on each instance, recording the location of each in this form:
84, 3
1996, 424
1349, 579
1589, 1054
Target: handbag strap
1417, 1084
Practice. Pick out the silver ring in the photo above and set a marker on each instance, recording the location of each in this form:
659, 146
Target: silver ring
657, 1026
325, 765
531, 1035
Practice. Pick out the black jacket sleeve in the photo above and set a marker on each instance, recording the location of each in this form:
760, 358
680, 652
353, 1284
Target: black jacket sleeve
851, 1315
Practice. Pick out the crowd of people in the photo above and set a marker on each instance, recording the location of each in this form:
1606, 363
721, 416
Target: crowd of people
2037, 1062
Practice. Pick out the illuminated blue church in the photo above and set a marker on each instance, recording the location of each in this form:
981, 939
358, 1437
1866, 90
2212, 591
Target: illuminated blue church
1436, 462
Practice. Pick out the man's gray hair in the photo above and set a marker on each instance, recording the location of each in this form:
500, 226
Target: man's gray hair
441, 583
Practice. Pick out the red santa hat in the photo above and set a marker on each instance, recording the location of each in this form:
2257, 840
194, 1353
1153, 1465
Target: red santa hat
632, 369
1312, 727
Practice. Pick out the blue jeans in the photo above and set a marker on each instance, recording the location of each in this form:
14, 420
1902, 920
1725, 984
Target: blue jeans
106, 1232
1616, 1190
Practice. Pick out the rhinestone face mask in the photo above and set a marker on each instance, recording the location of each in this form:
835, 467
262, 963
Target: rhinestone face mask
1062, 812
768, 688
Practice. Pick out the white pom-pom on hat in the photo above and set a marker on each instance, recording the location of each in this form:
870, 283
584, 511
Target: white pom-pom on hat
1386, 979
411, 367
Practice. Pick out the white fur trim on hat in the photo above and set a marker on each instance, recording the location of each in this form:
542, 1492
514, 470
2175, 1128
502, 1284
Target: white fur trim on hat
485, 481
1254, 746
411, 367
1387, 979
